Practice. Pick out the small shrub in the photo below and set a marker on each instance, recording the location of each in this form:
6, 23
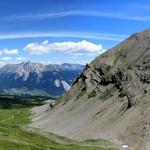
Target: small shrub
107, 94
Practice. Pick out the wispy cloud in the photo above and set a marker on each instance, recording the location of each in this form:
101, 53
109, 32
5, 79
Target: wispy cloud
9, 51
20, 58
2, 63
6, 58
123, 15
83, 35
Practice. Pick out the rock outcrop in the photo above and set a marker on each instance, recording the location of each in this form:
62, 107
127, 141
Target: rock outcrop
110, 99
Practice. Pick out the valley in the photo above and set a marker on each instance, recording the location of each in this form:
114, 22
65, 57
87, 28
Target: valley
15, 134
74, 75
106, 107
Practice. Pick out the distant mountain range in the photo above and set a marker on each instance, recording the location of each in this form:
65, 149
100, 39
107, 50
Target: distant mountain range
37, 79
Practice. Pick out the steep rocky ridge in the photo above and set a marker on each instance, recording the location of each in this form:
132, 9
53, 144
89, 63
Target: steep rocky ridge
110, 99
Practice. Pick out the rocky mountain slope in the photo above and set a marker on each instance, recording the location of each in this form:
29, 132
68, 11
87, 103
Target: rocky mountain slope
110, 99
37, 79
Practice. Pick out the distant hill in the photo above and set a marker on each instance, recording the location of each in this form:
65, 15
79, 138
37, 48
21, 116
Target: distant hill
37, 79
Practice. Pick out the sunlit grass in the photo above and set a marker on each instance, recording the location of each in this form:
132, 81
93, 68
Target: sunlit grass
14, 137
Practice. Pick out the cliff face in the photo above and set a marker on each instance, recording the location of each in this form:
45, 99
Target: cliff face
110, 99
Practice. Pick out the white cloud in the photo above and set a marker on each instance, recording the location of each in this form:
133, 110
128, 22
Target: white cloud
82, 47
6, 58
9, 51
52, 62
2, 63
45, 42
21, 58
36, 48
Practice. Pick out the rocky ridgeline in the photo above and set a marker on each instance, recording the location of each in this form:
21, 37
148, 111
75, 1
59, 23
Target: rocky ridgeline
37, 79
121, 75
110, 99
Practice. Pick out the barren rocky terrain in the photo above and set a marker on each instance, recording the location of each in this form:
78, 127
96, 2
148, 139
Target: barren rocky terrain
109, 100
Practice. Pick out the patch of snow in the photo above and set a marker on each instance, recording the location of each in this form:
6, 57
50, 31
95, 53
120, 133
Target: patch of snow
57, 83
66, 86
125, 146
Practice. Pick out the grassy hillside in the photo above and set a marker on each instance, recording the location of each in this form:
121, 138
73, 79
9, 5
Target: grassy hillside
14, 137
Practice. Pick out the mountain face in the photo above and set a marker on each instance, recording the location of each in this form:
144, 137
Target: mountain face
110, 99
37, 79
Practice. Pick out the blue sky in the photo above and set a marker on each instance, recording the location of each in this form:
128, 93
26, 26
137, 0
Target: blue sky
72, 31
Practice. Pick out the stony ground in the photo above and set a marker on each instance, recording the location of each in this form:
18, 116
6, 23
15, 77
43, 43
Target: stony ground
110, 99
15, 136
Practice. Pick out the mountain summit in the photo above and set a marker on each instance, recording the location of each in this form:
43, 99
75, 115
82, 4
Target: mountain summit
29, 78
110, 99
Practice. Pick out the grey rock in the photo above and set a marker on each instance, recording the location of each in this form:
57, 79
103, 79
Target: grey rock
110, 99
